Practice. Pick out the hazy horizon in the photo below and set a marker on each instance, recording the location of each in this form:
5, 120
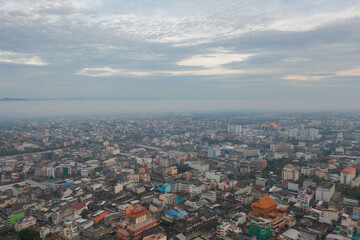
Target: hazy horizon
34, 109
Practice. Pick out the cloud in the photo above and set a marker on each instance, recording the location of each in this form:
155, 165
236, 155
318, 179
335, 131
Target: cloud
307, 23
109, 72
166, 49
295, 59
219, 21
214, 59
20, 58
211, 64
303, 78
355, 72
205, 72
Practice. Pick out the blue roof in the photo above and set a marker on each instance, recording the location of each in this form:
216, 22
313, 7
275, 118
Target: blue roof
177, 200
68, 184
22, 218
172, 212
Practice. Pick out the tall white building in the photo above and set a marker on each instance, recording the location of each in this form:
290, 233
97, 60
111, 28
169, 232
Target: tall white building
313, 132
325, 192
164, 162
294, 132
84, 172
213, 152
347, 175
234, 129
309, 134
308, 171
290, 172
50, 172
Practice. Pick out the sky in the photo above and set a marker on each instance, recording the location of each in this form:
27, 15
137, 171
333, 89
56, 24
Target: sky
259, 53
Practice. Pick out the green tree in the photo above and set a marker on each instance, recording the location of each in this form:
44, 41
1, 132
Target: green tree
85, 213
28, 234
182, 168
48, 235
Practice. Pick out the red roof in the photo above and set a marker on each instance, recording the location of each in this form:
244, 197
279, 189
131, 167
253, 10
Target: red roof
282, 209
53, 237
348, 170
137, 211
78, 206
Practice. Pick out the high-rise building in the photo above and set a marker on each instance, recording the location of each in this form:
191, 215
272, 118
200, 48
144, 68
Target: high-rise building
290, 172
325, 192
294, 132
50, 172
164, 162
213, 152
188, 176
234, 129
347, 175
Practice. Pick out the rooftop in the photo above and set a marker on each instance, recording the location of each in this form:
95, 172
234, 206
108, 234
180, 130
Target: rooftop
326, 185
264, 202
348, 170
78, 206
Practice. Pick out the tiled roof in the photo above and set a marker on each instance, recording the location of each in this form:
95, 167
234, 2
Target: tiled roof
264, 202
348, 170
78, 206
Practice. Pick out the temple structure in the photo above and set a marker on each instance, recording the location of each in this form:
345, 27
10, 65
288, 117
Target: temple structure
263, 207
266, 217
137, 220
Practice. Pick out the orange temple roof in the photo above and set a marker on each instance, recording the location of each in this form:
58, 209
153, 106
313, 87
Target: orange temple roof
273, 215
269, 125
264, 203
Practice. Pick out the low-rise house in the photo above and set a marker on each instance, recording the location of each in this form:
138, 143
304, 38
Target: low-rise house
78, 208
24, 222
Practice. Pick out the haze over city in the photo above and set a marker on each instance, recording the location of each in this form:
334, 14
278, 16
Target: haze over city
179, 120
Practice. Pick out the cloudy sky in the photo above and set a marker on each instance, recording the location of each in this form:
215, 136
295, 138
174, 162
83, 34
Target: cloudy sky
261, 51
